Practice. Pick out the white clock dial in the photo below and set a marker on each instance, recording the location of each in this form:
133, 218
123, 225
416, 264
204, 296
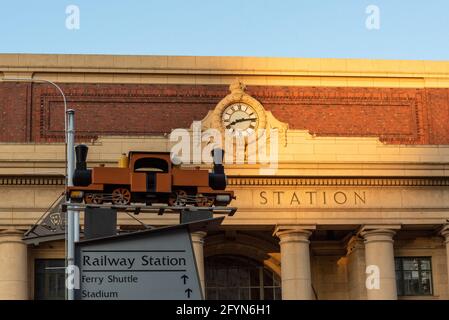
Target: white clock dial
240, 118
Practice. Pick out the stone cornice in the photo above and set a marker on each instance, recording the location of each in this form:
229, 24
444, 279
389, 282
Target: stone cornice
116, 64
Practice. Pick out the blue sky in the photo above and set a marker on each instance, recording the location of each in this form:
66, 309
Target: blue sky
412, 29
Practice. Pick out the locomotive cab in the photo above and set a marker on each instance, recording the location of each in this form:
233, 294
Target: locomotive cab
150, 171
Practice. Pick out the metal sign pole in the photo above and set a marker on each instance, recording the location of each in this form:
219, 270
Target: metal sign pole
69, 133
71, 215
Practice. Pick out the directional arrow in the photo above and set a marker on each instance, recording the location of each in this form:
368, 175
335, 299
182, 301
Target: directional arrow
184, 277
188, 291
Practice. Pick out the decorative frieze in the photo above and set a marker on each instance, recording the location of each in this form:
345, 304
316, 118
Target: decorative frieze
28, 180
337, 181
262, 181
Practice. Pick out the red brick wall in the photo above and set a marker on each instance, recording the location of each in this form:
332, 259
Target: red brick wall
437, 105
35, 112
14, 112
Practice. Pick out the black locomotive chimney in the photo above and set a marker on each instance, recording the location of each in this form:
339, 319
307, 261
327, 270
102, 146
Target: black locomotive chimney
81, 156
217, 179
82, 177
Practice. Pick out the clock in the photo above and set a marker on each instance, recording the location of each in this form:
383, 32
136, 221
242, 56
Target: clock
240, 119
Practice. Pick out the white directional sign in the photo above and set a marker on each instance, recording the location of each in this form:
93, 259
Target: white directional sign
149, 265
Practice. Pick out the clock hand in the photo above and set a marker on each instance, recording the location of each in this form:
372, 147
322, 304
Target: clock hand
234, 122
241, 120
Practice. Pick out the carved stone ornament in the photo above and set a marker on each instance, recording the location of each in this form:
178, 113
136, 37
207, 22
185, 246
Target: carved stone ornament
221, 117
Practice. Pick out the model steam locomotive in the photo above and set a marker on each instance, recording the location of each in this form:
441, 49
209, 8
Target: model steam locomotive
150, 178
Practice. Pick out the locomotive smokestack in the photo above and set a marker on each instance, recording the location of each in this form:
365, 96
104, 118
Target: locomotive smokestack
81, 156
82, 177
217, 179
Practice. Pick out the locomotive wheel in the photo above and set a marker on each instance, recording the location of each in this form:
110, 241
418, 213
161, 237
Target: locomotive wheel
179, 198
171, 199
121, 196
93, 198
203, 201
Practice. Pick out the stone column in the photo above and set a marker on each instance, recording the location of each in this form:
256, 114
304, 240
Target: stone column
445, 233
295, 262
198, 249
13, 266
379, 256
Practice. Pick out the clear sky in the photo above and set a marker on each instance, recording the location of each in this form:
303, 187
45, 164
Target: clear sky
409, 29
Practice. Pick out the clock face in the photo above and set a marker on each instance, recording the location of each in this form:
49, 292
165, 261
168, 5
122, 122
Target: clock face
240, 118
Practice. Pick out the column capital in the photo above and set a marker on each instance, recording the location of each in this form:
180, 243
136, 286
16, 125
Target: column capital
291, 228
294, 232
378, 233
12, 231
11, 235
198, 236
369, 227
444, 232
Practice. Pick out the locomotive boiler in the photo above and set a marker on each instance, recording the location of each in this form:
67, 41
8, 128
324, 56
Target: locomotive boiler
150, 178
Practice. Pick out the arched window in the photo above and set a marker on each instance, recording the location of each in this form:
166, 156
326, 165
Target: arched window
151, 165
230, 277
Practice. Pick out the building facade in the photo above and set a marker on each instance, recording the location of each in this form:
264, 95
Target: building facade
356, 207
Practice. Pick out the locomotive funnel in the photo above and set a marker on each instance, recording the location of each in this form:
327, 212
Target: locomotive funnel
81, 156
82, 176
217, 179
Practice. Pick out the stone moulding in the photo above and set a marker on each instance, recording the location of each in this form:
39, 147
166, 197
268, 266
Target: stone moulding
35, 180
55, 180
337, 181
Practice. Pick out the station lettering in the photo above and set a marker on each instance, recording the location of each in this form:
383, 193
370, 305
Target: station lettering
132, 262
312, 198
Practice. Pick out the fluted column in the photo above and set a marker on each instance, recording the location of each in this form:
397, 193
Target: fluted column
295, 262
198, 249
13, 266
379, 258
445, 233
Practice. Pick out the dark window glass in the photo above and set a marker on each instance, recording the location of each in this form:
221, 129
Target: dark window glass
277, 293
49, 279
244, 294
151, 164
240, 278
211, 293
414, 276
